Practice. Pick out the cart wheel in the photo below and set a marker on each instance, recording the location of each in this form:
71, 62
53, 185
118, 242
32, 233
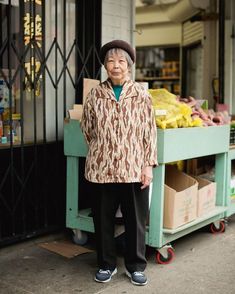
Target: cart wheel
79, 237
217, 229
165, 259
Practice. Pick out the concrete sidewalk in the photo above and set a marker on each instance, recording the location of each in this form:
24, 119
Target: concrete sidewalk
204, 263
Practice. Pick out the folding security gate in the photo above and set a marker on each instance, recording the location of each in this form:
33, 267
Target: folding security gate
46, 49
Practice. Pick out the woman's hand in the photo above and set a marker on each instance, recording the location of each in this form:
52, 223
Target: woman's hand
146, 176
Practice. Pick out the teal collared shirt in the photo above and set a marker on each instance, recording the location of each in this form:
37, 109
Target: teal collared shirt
117, 91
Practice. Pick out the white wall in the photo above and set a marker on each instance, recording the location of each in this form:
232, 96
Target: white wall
229, 69
210, 60
228, 81
117, 22
161, 34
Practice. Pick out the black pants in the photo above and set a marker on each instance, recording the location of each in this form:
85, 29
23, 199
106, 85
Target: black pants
134, 207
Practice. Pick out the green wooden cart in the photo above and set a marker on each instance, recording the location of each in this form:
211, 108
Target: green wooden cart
230, 201
173, 145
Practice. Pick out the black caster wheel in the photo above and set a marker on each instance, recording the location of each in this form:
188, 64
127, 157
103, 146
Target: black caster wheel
165, 259
217, 229
79, 237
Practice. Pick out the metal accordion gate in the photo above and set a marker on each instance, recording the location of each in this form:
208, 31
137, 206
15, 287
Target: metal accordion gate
46, 49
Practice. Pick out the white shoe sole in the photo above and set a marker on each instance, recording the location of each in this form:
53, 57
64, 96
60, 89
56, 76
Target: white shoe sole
135, 283
106, 281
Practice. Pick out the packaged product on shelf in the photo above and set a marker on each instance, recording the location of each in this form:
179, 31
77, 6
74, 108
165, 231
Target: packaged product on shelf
4, 140
5, 95
16, 126
11, 127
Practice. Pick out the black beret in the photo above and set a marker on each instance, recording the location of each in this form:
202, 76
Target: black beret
117, 44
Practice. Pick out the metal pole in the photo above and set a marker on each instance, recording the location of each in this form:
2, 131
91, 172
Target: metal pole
221, 49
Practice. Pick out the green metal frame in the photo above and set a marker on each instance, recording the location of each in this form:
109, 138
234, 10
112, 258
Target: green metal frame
231, 205
173, 145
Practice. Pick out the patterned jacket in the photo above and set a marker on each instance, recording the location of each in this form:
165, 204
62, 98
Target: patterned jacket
121, 136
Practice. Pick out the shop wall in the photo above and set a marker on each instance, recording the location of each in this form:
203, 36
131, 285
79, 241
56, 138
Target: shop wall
210, 60
117, 22
229, 70
163, 25
207, 67
161, 34
153, 27
200, 36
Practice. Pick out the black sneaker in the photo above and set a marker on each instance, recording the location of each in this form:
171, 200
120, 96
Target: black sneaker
104, 276
137, 278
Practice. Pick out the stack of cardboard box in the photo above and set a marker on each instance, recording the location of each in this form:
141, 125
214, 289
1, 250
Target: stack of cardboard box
186, 198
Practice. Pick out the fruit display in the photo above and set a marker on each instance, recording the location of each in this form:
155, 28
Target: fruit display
177, 112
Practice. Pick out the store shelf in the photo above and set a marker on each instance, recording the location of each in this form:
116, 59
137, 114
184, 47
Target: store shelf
217, 211
24, 143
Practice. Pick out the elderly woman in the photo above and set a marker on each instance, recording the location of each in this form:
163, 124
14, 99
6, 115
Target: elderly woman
119, 127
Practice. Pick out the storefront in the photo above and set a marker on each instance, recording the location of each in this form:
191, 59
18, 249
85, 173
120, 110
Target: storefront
46, 49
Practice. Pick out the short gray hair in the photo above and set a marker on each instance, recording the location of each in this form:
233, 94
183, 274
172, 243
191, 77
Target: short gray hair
116, 51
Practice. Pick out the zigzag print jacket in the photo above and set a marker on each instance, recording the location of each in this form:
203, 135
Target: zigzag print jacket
121, 136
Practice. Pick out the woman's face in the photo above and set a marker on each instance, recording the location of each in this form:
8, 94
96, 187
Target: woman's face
117, 68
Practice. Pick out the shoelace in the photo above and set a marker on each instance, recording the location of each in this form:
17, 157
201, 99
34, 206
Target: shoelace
138, 274
105, 272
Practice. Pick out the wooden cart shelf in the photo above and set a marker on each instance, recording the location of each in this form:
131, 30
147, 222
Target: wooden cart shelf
217, 211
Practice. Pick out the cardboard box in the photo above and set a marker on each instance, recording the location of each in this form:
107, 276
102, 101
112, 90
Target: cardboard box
76, 112
206, 196
180, 198
88, 84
